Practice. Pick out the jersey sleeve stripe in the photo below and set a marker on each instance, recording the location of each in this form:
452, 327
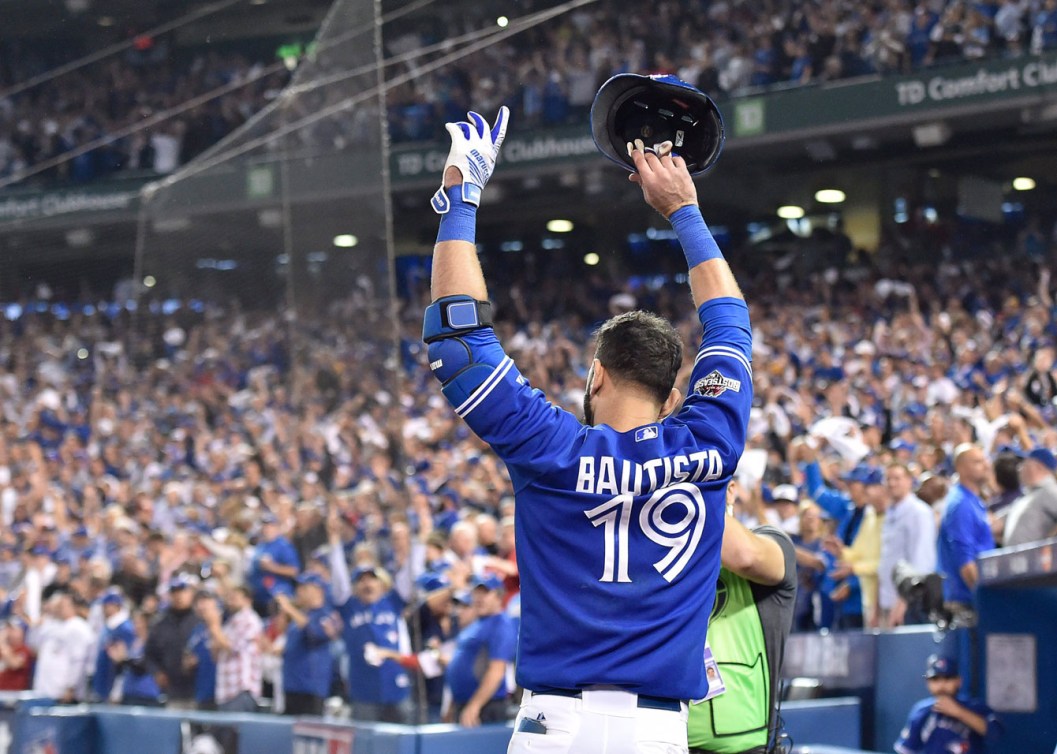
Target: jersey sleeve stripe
725, 351
486, 387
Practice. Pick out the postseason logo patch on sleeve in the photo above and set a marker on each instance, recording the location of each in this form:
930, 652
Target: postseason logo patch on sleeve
715, 384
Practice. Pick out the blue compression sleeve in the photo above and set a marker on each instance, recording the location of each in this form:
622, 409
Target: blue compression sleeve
459, 223
694, 236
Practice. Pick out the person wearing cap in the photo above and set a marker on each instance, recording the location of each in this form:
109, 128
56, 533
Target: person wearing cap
432, 627
945, 721
164, 652
371, 614
964, 531
117, 629
786, 501
308, 665
1033, 516
908, 534
274, 565
484, 653
857, 544
747, 631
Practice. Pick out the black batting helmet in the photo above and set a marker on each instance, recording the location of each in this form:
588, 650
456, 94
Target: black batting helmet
656, 109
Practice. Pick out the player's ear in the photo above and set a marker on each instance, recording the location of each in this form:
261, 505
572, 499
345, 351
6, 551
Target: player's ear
597, 377
669, 405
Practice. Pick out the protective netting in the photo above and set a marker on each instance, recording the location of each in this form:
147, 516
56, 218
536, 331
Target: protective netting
289, 213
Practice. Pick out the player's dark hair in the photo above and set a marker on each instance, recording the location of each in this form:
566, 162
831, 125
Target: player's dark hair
642, 348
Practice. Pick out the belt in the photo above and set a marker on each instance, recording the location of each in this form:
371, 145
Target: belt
643, 701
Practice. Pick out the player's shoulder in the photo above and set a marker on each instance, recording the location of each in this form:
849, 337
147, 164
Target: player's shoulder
922, 707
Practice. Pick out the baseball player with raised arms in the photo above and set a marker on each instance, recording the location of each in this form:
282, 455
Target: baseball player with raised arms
618, 521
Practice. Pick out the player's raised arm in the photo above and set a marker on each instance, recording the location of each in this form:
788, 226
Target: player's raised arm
477, 378
668, 188
474, 149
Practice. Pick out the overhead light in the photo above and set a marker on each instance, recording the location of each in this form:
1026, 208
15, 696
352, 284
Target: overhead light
1023, 183
560, 226
829, 196
502, 22
105, 21
591, 259
345, 241
790, 212
931, 134
258, 2
150, 281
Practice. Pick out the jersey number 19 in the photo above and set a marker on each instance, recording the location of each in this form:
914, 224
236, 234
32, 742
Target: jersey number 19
680, 537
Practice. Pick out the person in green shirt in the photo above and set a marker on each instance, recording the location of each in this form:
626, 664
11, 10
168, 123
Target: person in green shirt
747, 629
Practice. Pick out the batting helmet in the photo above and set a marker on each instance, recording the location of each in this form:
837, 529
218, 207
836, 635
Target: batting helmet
656, 109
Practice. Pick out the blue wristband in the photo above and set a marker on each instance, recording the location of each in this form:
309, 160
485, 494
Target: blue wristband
459, 223
694, 236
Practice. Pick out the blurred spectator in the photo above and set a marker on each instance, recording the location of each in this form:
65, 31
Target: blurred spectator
118, 635
198, 659
169, 637
16, 658
908, 534
274, 566
810, 566
1033, 516
63, 642
138, 685
307, 663
483, 660
235, 644
964, 531
371, 620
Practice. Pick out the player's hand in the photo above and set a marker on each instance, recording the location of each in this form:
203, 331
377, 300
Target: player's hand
470, 716
945, 705
666, 183
474, 150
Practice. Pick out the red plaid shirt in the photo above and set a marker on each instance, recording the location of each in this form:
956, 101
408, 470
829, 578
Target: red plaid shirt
239, 669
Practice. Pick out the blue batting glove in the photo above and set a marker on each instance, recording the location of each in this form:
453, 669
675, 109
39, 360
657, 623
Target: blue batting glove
474, 149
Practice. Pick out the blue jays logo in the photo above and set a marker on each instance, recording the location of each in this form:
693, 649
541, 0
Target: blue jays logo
715, 384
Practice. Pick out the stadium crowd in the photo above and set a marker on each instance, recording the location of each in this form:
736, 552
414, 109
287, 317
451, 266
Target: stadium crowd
548, 75
212, 508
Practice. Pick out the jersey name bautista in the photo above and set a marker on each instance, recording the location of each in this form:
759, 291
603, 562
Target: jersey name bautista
607, 475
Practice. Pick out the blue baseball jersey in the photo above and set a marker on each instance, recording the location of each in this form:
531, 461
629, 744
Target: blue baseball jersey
929, 732
380, 624
206, 669
105, 669
484, 640
266, 585
618, 532
308, 666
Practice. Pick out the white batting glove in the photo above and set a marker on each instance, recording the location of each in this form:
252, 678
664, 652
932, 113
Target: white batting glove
474, 149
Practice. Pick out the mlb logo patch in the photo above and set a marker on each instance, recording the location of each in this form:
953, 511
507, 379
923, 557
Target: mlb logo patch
646, 433
715, 384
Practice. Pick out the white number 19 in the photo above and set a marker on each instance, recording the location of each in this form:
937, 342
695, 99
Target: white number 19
680, 537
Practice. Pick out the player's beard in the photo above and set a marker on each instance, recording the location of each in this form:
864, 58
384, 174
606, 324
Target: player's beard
589, 412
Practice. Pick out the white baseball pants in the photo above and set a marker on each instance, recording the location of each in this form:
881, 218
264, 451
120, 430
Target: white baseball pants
600, 722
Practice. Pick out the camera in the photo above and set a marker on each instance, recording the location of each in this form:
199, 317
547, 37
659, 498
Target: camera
923, 593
